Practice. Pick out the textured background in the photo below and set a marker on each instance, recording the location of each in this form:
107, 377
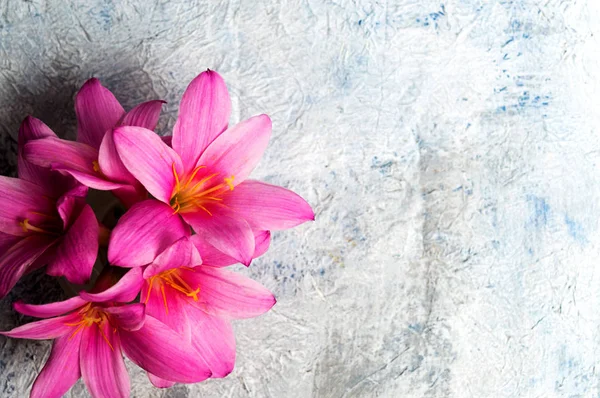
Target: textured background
450, 152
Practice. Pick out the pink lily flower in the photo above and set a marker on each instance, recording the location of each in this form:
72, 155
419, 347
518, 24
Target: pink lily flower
44, 220
90, 333
93, 160
202, 178
198, 301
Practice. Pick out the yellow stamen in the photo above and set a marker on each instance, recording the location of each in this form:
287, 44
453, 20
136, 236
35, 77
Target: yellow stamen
26, 226
96, 166
162, 289
229, 182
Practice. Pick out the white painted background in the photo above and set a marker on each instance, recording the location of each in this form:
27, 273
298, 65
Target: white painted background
450, 151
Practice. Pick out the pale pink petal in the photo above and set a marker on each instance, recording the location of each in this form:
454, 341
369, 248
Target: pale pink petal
228, 294
102, 365
267, 206
124, 291
203, 115
214, 340
110, 163
45, 329
76, 254
168, 308
226, 231
215, 258
153, 350
50, 310
61, 370
158, 382
144, 232
149, 159
18, 260
144, 115
127, 317
97, 111
179, 254
238, 150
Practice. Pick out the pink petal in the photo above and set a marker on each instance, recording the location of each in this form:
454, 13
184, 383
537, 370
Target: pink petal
179, 254
128, 317
149, 159
268, 207
44, 330
169, 309
158, 382
203, 115
215, 258
124, 291
214, 340
76, 254
50, 310
69, 207
144, 232
153, 350
226, 231
18, 260
7, 241
144, 115
131, 194
238, 150
110, 163
97, 111
229, 294
102, 365
61, 370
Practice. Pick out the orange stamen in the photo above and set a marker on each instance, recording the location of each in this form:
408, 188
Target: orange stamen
162, 289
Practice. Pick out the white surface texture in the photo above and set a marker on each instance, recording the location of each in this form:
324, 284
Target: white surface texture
449, 148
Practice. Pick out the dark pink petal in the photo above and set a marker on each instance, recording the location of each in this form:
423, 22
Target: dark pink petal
203, 115
61, 370
97, 111
238, 150
228, 294
149, 159
167, 139
267, 206
144, 115
7, 241
18, 260
144, 232
102, 365
69, 208
158, 382
128, 317
44, 330
169, 309
215, 258
110, 163
76, 254
50, 310
214, 340
124, 291
226, 231
131, 194
153, 349
180, 254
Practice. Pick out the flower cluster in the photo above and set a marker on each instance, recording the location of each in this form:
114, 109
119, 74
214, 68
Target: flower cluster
164, 299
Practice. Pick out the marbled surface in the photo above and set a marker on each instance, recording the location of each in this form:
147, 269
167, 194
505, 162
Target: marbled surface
449, 148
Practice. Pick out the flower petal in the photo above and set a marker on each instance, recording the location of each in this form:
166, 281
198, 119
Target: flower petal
158, 382
167, 139
110, 163
203, 115
97, 111
76, 254
144, 232
18, 260
214, 340
144, 115
267, 206
179, 254
225, 231
128, 317
169, 308
124, 291
44, 330
131, 194
102, 365
215, 258
61, 370
50, 310
228, 294
149, 159
150, 349
238, 150
262, 241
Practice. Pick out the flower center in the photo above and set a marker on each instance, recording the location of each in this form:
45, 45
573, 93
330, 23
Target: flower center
47, 224
92, 316
189, 195
173, 279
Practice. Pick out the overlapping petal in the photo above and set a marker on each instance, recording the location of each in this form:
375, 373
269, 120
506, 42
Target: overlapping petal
124, 291
128, 317
144, 115
43, 330
216, 258
50, 310
182, 252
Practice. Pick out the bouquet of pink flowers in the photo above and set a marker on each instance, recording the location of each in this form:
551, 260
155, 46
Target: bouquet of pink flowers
164, 299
